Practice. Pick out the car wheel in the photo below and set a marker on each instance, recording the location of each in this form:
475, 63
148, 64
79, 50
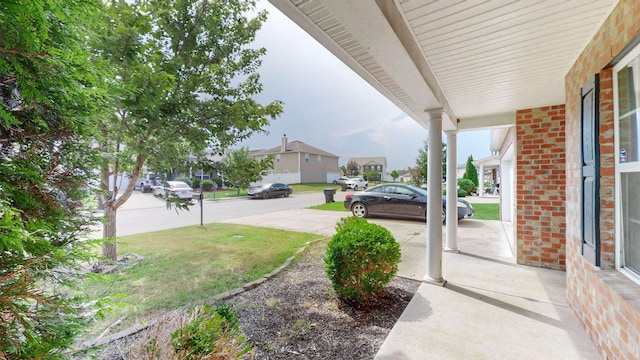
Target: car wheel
359, 209
444, 216
265, 195
286, 194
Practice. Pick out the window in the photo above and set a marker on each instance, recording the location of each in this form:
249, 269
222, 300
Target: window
306, 157
627, 146
277, 158
319, 159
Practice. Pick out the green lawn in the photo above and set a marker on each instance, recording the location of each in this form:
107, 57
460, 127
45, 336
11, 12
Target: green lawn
486, 211
184, 265
334, 206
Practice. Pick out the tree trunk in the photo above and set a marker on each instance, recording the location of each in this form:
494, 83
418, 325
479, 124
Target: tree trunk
109, 249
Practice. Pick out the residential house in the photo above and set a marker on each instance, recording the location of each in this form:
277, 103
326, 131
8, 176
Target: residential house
559, 82
377, 164
296, 162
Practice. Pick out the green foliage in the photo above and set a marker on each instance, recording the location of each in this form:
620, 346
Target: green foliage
395, 175
371, 175
361, 259
241, 169
186, 180
343, 169
184, 78
218, 180
416, 176
422, 161
471, 172
207, 185
210, 331
466, 185
352, 168
196, 183
462, 193
50, 94
419, 173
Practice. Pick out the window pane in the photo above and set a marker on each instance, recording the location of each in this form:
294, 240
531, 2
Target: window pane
628, 101
631, 220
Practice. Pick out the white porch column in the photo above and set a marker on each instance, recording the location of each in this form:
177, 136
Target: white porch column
434, 198
452, 193
481, 181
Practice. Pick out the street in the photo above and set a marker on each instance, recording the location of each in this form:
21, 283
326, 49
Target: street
144, 213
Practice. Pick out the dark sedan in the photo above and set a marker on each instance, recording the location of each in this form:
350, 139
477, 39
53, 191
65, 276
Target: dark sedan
398, 200
266, 191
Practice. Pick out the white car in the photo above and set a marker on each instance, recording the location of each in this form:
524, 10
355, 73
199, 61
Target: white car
179, 188
357, 183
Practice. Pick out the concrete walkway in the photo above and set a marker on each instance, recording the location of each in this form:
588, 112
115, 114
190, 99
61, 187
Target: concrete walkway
489, 308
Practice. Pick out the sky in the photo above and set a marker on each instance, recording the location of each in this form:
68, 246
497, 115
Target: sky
328, 106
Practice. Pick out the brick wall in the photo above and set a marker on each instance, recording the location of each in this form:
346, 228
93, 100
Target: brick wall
540, 187
607, 302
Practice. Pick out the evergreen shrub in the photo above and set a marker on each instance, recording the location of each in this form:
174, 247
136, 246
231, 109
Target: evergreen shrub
361, 259
207, 185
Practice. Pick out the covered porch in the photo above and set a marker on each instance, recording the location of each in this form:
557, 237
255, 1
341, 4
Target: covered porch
540, 73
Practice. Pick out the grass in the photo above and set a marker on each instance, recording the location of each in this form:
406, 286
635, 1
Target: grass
486, 211
188, 264
333, 206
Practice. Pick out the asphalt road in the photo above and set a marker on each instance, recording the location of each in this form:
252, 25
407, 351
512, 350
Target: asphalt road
144, 213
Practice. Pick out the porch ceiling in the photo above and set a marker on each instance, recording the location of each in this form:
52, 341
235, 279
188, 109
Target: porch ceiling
480, 60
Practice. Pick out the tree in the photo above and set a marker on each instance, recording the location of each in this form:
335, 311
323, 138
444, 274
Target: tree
343, 169
471, 172
395, 175
422, 163
423, 159
50, 94
184, 81
241, 169
416, 176
353, 169
371, 175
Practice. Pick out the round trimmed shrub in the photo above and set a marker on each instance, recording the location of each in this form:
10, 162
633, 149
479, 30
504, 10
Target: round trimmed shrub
196, 183
207, 185
362, 258
467, 185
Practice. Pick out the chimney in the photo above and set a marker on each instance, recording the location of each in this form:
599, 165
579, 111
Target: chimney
283, 148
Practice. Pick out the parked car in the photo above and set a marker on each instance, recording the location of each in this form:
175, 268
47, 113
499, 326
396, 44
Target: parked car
398, 200
341, 180
357, 183
179, 188
268, 190
149, 182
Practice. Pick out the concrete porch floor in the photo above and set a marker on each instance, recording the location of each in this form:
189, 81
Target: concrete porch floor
489, 308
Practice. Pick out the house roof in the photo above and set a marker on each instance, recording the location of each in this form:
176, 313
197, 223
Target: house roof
379, 160
294, 146
479, 61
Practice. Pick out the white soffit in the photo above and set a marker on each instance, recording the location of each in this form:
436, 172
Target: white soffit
478, 59
358, 34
